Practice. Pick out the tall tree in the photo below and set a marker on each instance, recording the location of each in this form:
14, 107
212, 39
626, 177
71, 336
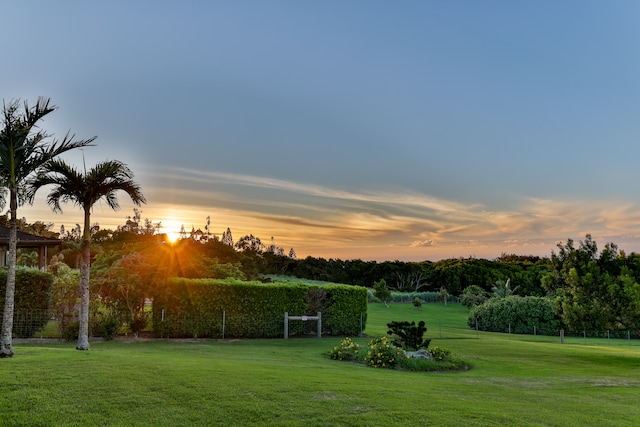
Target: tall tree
595, 292
24, 148
227, 238
84, 189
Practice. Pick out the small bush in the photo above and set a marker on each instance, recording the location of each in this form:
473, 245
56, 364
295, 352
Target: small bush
383, 354
473, 295
417, 302
439, 354
347, 350
108, 327
138, 323
408, 336
71, 331
381, 291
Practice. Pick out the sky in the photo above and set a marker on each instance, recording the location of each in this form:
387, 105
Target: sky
374, 130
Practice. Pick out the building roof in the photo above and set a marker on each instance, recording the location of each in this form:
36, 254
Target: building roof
26, 240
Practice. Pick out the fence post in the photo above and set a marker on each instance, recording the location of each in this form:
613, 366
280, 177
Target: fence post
224, 321
608, 337
534, 333
509, 331
360, 325
561, 336
286, 325
584, 333
319, 324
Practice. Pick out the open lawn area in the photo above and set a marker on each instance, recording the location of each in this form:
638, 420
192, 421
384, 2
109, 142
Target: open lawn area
511, 380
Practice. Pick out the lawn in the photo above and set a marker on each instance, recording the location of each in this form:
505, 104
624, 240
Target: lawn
512, 380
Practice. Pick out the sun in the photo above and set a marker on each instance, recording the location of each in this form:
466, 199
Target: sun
171, 228
173, 237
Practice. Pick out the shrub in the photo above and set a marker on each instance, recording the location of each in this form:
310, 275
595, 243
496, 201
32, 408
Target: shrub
139, 322
417, 302
381, 291
32, 300
473, 295
521, 314
449, 362
439, 354
347, 350
108, 326
383, 354
408, 336
71, 331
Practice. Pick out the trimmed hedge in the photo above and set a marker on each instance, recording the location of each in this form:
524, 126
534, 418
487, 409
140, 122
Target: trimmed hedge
521, 313
195, 308
32, 300
346, 309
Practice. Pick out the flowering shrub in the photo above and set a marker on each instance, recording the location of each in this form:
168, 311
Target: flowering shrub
347, 350
382, 353
439, 353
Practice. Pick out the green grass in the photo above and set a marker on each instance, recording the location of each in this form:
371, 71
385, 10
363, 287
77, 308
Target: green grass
512, 380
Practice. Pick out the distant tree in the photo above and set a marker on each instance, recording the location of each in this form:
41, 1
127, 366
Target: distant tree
595, 291
24, 149
381, 291
125, 287
249, 243
275, 249
292, 254
473, 295
443, 295
227, 238
28, 258
207, 229
502, 289
84, 189
413, 280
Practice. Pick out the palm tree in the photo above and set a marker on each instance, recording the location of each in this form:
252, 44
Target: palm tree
24, 148
84, 190
503, 289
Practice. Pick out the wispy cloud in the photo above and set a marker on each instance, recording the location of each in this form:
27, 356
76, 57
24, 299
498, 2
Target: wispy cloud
421, 220
319, 220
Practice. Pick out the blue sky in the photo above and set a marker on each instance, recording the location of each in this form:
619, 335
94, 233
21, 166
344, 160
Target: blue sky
407, 130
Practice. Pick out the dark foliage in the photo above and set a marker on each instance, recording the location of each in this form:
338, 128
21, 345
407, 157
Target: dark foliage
408, 336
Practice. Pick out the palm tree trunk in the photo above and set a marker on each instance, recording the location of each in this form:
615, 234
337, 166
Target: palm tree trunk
6, 345
85, 265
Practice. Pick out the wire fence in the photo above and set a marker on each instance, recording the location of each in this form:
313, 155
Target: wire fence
45, 324
612, 337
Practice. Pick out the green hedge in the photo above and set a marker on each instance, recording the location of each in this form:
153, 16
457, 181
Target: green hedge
521, 313
195, 308
347, 308
32, 300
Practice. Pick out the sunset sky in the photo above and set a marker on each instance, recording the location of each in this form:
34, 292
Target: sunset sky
410, 130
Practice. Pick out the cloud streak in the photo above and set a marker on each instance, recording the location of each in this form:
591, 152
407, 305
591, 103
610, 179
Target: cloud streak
309, 214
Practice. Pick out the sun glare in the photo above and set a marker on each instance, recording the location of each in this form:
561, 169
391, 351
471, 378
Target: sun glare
173, 237
171, 228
